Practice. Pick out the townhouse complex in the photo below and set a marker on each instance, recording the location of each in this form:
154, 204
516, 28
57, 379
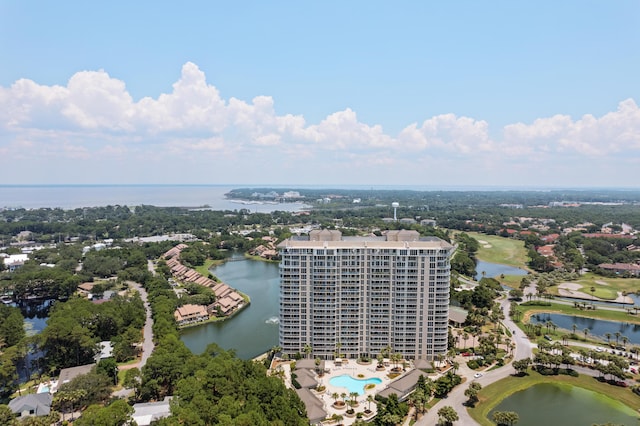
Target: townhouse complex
355, 296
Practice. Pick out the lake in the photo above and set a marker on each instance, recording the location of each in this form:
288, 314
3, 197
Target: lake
597, 327
254, 330
493, 270
561, 404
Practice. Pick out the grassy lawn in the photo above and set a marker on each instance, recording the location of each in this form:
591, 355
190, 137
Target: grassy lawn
604, 293
495, 393
204, 269
512, 281
605, 288
260, 259
505, 251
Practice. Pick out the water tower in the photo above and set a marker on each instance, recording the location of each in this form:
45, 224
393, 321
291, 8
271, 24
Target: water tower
395, 206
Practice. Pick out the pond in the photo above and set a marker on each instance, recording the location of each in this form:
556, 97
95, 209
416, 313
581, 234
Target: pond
254, 330
496, 269
596, 327
562, 404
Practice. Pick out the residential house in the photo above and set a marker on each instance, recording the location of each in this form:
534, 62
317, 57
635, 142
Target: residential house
189, 314
621, 268
38, 404
146, 413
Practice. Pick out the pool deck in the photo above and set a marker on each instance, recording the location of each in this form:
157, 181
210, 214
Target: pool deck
352, 368
47, 387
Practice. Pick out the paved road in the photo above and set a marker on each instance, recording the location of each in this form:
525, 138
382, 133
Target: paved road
456, 397
147, 343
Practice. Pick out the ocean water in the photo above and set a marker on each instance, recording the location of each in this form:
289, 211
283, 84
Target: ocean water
78, 196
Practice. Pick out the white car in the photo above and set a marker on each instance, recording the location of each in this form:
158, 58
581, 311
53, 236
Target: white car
599, 349
477, 375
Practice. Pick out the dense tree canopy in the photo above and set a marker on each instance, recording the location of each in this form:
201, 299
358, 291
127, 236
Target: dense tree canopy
75, 327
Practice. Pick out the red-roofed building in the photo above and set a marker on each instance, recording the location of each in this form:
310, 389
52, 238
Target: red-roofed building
189, 314
621, 268
550, 238
546, 251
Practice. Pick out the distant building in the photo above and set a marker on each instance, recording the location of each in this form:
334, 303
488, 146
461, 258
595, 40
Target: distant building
106, 351
14, 261
408, 221
291, 194
621, 268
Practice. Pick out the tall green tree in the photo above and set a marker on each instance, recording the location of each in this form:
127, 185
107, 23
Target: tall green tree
447, 415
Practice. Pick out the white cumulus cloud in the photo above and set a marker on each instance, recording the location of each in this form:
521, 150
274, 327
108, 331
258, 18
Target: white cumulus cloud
94, 118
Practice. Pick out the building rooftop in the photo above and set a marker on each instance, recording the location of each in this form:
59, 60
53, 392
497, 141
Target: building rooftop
392, 239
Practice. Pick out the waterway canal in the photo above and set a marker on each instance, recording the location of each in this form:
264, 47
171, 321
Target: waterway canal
255, 329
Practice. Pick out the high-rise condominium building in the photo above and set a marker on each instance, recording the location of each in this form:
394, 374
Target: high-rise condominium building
358, 296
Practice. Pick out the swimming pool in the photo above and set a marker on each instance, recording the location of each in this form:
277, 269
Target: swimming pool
353, 385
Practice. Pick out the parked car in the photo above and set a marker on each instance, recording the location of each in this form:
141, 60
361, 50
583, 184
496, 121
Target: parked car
477, 375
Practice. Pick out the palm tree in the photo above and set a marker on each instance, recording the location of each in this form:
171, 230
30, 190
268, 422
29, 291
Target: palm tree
618, 335
465, 337
447, 415
585, 331
396, 358
307, 349
386, 351
354, 398
369, 401
625, 340
276, 349
380, 359
418, 400
472, 393
574, 327
608, 337
548, 325
335, 397
508, 418
439, 358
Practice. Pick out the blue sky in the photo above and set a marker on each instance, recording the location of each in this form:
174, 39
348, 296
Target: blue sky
503, 93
